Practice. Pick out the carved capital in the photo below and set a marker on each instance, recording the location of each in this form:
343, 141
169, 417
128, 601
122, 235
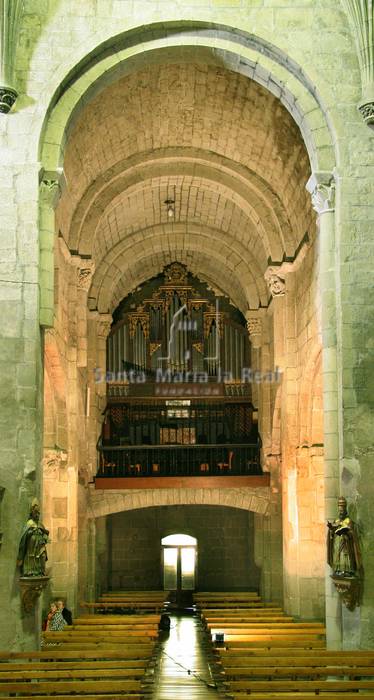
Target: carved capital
361, 17
10, 14
321, 187
276, 283
50, 192
367, 111
53, 460
51, 185
8, 97
254, 326
85, 272
104, 322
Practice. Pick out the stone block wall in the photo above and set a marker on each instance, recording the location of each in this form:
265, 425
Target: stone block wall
225, 559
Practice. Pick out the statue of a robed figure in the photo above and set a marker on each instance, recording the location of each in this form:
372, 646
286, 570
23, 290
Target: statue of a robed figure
344, 555
32, 557
32, 553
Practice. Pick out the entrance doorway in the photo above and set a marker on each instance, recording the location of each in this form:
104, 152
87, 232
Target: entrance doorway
179, 562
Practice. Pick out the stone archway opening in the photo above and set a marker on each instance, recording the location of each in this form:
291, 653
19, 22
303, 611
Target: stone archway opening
242, 221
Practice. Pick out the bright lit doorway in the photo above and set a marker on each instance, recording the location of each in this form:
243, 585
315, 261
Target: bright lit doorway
179, 562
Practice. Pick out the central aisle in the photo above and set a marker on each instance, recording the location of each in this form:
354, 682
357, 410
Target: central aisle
185, 648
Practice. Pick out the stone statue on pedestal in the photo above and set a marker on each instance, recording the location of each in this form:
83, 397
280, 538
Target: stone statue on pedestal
344, 556
32, 553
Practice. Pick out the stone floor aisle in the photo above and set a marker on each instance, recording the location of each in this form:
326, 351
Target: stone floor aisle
185, 648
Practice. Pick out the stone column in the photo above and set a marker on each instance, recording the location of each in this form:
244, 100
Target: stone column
98, 329
10, 14
322, 189
254, 327
20, 387
60, 507
49, 194
85, 270
361, 16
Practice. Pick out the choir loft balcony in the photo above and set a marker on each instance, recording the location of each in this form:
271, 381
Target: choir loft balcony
150, 466
179, 407
184, 442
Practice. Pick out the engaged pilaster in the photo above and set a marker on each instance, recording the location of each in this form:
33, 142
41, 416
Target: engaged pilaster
49, 193
85, 271
103, 324
321, 186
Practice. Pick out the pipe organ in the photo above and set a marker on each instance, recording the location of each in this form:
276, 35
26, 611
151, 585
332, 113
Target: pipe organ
176, 324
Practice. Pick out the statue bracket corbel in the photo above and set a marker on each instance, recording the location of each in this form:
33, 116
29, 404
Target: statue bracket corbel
349, 589
31, 589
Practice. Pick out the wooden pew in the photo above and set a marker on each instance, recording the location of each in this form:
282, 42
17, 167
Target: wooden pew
270, 687
255, 655
272, 644
227, 595
40, 665
140, 618
244, 605
71, 687
269, 626
76, 675
131, 651
133, 605
260, 610
294, 674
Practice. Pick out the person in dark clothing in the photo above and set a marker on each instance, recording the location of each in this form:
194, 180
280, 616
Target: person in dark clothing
66, 614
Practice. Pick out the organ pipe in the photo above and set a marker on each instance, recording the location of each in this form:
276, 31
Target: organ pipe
143, 333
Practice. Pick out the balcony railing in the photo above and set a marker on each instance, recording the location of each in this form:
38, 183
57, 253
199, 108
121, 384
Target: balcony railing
118, 390
179, 460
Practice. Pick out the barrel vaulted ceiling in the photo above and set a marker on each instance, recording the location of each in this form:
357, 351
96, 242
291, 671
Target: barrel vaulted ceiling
219, 144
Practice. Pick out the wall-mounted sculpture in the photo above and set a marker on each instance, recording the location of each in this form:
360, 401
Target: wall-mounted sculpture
344, 556
32, 558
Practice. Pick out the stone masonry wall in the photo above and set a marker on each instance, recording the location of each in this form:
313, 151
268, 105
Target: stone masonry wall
225, 546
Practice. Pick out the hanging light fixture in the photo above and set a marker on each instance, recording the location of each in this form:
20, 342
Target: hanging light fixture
170, 206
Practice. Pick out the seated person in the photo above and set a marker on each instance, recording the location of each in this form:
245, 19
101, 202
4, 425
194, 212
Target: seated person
55, 622
66, 614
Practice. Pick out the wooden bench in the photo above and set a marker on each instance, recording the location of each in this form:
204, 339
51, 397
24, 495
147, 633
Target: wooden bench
269, 687
64, 675
131, 651
246, 604
117, 618
259, 610
68, 664
79, 673
274, 643
270, 626
328, 695
221, 594
93, 643
71, 687
262, 674
134, 605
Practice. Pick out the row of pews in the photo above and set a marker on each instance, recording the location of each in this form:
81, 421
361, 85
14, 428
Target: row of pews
266, 654
99, 656
123, 601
